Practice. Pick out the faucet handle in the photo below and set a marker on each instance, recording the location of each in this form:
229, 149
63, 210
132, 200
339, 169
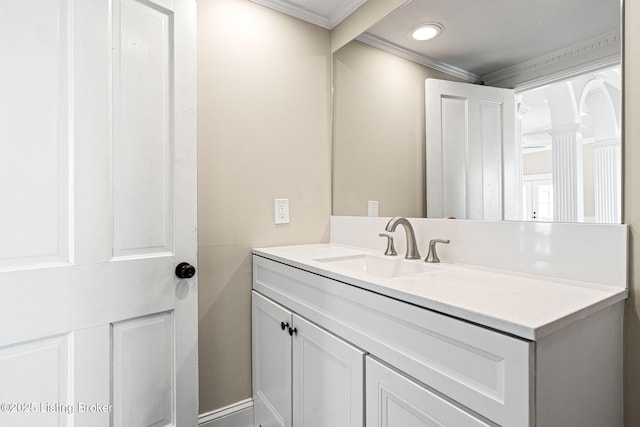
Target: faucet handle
391, 250
432, 256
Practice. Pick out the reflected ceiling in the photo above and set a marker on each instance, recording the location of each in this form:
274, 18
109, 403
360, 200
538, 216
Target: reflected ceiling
482, 37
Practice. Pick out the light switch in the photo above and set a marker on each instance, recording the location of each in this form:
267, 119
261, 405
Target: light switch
281, 211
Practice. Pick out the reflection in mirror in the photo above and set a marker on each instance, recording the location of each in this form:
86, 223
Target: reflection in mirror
378, 139
379, 104
570, 134
473, 155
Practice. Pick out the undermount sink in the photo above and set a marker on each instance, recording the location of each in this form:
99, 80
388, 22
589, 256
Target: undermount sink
380, 266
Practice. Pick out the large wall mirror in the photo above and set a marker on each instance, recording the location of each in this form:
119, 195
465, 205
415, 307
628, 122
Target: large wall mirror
558, 159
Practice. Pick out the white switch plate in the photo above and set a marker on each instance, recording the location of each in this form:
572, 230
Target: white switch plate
281, 211
372, 208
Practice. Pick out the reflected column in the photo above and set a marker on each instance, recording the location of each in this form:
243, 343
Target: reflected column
607, 162
567, 174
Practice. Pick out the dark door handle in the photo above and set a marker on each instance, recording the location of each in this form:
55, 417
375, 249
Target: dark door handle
293, 331
283, 325
184, 270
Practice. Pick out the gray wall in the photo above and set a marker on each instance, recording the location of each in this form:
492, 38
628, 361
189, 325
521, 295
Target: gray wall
379, 132
632, 207
263, 133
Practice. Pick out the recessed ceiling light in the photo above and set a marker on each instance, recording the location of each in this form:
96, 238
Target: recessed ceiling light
426, 31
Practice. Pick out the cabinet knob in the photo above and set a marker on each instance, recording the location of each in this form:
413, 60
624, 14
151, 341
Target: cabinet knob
283, 325
293, 331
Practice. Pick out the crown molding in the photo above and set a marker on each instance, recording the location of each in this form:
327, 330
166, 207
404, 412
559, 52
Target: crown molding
427, 61
346, 8
588, 56
296, 11
300, 12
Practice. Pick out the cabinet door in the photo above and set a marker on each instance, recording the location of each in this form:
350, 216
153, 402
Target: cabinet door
271, 363
328, 379
394, 400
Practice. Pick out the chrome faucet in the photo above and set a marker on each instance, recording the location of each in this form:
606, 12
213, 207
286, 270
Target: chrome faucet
412, 248
391, 250
432, 256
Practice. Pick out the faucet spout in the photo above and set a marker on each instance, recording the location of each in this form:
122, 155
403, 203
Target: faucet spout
412, 248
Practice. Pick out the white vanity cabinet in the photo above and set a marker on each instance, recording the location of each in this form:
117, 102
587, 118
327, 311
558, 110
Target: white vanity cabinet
303, 375
393, 400
423, 367
271, 363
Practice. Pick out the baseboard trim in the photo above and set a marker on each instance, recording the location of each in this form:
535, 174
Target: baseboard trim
239, 414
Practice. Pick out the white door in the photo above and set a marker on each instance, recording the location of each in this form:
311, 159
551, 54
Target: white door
473, 155
394, 400
98, 206
328, 383
271, 362
537, 193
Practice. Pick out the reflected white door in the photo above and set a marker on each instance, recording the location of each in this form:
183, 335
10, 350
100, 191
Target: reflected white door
537, 192
473, 156
98, 190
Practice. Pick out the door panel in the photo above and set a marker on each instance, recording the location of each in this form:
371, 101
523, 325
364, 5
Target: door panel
473, 157
143, 379
142, 128
271, 363
448, 181
327, 379
36, 379
58, 380
491, 168
36, 75
92, 226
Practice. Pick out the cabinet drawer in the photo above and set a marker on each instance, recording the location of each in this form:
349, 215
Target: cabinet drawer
394, 400
486, 371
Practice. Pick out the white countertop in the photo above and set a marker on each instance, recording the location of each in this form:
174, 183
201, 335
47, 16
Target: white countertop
524, 305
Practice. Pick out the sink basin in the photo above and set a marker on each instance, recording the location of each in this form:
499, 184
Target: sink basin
380, 266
